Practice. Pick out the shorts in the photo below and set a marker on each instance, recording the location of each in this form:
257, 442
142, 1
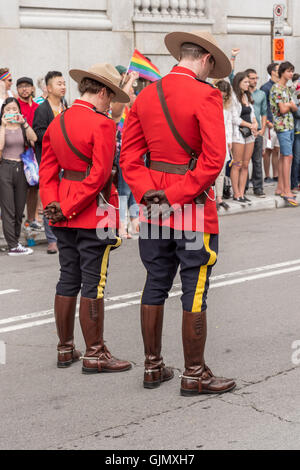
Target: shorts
286, 141
239, 139
271, 136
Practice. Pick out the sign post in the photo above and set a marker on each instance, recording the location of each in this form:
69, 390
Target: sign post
278, 43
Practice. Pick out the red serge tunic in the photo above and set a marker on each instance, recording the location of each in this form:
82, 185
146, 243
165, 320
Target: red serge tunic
197, 112
93, 134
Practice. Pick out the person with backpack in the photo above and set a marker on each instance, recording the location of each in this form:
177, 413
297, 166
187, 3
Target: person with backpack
15, 132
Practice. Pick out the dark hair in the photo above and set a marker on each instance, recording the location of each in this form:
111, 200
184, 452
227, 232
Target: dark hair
272, 67
283, 67
193, 51
88, 85
236, 87
296, 77
225, 87
248, 71
8, 100
51, 75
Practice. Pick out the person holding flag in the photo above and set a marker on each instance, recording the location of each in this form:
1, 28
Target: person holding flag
119, 113
142, 70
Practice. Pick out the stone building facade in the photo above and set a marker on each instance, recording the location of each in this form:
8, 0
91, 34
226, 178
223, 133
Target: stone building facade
41, 35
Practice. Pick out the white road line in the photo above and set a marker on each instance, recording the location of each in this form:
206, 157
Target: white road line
214, 285
9, 291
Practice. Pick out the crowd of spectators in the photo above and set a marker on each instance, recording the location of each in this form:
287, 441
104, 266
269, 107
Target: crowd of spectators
262, 126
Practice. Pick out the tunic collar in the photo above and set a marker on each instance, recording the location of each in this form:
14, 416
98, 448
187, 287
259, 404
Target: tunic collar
183, 70
85, 104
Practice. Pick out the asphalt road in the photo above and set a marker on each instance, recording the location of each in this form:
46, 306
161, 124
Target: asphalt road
253, 324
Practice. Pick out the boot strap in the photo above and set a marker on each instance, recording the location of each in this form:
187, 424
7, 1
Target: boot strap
198, 379
94, 358
66, 351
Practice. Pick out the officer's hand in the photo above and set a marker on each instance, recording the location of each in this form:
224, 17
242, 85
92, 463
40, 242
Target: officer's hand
157, 204
161, 197
54, 213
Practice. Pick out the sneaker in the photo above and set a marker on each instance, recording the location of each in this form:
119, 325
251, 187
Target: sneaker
240, 200
259, 193
20, 250
36, 226
268, 180
246, 200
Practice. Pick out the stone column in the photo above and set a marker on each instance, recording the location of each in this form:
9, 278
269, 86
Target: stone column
9, 14
217, 12
121, 14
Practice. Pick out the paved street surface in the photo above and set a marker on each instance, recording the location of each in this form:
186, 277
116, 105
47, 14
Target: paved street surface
253, 322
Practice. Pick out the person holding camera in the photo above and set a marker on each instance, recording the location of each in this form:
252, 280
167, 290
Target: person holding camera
14, 134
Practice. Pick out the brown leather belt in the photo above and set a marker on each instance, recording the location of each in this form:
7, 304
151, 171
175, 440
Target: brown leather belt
74, 175
169, 167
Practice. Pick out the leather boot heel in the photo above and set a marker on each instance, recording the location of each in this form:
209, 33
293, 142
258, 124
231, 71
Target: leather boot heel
153, 378
67, 358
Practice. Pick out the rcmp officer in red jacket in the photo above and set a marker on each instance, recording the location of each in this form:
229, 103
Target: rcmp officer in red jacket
178, 173
82, 143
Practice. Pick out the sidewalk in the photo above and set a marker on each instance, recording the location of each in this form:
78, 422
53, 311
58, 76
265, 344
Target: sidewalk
258, 204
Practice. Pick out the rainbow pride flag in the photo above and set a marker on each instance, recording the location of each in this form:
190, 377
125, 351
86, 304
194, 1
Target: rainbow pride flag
144, 67
123, 119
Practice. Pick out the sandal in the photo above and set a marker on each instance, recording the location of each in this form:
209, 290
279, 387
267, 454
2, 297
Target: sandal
290, 201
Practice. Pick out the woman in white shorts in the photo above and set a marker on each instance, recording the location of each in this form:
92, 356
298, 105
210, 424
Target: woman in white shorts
243, 121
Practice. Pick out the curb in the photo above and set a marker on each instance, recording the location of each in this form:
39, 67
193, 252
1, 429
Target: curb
267, 203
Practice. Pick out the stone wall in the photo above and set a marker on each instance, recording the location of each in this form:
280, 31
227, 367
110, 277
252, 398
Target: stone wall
39, 35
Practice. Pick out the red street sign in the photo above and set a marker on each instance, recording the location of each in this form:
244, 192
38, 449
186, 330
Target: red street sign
279, 10
278, 49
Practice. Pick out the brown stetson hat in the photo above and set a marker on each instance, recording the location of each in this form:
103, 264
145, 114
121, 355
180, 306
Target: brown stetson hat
204, 39
106, 74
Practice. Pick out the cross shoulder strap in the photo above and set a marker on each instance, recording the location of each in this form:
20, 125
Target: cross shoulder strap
72, 147
192, 153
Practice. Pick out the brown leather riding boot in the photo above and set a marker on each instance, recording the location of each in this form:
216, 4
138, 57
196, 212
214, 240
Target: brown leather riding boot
155, 370
197, 377
64, 310
97, 357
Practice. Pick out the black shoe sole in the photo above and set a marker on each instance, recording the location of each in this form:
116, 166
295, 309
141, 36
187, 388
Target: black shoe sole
87, 371
190, 393
64, 365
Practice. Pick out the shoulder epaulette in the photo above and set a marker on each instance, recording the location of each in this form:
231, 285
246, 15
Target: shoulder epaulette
206, 83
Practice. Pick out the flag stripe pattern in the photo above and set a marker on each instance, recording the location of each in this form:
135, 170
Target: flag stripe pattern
144, 67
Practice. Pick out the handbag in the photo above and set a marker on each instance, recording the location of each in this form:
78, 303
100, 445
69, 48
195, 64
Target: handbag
245, 131
31, 167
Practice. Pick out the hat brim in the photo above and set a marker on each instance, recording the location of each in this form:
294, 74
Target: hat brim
173, 42
120, 95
